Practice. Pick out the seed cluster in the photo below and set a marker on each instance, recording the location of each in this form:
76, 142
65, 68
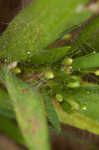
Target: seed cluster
56, 79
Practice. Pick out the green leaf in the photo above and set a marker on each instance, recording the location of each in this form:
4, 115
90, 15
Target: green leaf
2, 75
90, 86
50, 56
85, 62
89, 36
4, 100
6, 108
51, 113
39, 25
29, 112
10, 128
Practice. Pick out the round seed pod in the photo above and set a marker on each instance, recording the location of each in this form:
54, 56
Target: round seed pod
49, 75
17, 70
59, 97
83, 107
68, 70
96, 73
67, 61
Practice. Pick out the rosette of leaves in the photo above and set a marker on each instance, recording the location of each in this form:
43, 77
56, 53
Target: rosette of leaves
45, 87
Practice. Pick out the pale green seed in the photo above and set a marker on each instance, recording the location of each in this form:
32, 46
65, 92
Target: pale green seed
68, 70
97, 73
67, 61
49, 75
59, 97
83, 107
17, 70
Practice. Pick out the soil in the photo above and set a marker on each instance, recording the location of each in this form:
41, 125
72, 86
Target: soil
8, 9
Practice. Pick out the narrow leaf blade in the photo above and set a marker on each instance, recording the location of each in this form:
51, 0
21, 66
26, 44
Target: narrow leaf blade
50, 56
85, 62
89, 34
6, 109
88, 39
29, 112
9, 127
51, 113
